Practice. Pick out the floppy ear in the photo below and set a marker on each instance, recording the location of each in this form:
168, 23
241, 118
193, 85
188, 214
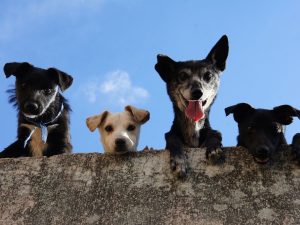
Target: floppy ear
165, 67
141, 116
240, 111
284, 114
64, 80
218, 54
16, 69
95, 121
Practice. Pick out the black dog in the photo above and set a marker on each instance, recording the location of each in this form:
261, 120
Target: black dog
261, 131
192, 87
43, 113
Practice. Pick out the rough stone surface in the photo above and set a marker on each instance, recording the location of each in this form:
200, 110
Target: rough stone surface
140, 189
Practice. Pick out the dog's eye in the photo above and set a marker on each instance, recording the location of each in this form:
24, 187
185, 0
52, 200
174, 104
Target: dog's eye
207, 76
183, 76
47, 91
131, 128
251, 128
108, 128
23, 85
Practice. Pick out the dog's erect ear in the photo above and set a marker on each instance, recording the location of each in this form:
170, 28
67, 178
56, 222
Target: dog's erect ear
95, 121
16, 69
284, 114
218, 54
141, 116
240, 111
64, 80
165, 67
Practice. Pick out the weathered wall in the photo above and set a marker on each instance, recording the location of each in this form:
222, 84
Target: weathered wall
140, 189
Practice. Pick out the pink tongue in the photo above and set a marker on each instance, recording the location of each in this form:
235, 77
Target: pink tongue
194, 111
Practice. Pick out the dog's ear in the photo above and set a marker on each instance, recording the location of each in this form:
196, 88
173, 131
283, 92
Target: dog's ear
16, 69
284, 114
95, 121
218, 54
141, 116
240, 111
64, 80
165, 67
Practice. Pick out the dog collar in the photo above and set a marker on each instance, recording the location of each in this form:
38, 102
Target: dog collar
43, 126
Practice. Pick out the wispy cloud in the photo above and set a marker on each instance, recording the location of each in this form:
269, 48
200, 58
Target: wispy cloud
26, 15
117, 88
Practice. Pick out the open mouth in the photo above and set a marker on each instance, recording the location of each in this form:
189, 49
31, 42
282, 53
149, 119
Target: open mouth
194, 110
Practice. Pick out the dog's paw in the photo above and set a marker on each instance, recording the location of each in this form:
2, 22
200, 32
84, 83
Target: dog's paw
215, 155
179, 165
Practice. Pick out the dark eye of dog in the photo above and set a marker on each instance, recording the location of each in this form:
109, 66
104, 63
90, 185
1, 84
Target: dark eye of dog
108, 128
251, 128
47, 91
23, 85
183, 76
207, 76
131, 128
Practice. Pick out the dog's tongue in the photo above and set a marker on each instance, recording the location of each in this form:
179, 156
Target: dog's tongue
194, 111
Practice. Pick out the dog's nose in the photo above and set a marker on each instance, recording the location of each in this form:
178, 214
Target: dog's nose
31, 107
262, 152
120, 142
196, 94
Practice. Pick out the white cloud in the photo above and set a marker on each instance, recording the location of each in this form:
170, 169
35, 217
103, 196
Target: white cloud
117, 88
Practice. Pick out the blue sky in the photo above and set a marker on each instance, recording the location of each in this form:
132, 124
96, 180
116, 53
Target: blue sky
110, 48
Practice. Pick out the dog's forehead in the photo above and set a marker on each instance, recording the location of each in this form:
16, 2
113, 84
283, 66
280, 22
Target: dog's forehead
261, 116
193, 66
119, 118
37, 74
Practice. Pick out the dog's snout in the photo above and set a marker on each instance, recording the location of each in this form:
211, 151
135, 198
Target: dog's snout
196, 94
120, 142
262, 152
31, 107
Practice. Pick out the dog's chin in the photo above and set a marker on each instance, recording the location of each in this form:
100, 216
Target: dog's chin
121, 151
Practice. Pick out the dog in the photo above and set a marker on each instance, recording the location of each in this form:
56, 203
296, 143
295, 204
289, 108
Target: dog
119, 131
43, 113
261, 131
192, 87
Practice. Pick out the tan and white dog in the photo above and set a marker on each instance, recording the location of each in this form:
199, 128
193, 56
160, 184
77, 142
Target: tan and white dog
119, 132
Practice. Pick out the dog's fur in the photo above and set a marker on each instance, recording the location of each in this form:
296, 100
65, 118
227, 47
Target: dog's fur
38, 101
119, 131
193, 80
261, 131
296, 146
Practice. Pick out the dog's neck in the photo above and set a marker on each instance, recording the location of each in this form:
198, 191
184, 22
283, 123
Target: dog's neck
189, 129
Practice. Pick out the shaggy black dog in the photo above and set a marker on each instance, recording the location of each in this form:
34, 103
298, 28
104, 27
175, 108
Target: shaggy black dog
43, 113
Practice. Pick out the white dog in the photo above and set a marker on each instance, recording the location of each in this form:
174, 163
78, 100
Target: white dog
119, 131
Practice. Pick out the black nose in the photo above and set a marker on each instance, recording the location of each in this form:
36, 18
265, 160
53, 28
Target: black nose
262, 152
120, 142
31, 107
196, 94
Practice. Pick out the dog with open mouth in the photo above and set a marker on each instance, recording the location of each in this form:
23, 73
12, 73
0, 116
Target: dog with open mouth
261, 131
43, 113
119, 131
192, 87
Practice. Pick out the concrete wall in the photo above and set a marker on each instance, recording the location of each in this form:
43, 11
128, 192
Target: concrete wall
140, 189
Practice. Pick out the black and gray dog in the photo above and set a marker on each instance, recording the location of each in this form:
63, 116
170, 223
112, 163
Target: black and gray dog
43, 113
261, 131
192, 87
